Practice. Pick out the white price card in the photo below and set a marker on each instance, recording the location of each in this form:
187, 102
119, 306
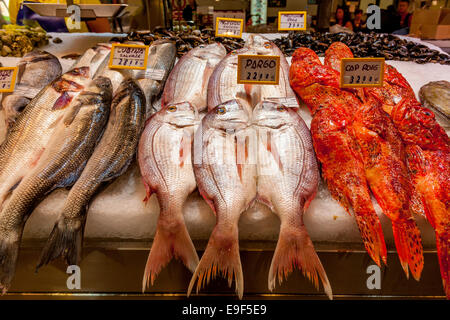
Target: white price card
258, 69
362, 72
291, 20
229, 27
8, 78
128, 56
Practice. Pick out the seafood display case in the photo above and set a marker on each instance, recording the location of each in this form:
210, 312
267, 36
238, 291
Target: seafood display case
121, 226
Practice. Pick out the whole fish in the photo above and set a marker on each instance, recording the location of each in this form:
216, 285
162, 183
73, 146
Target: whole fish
226, 179
161, 58
27, 139
110, 159
165, 162
188, 80
61, 162
436, 96
288, 178
36, 70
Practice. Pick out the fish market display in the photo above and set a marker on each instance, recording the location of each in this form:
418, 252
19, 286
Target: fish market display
436, 95
36, 70
111, 158
166, 167
188, 80
287, 182
226, 180
387, 46
57, 165
161, 58
15, 41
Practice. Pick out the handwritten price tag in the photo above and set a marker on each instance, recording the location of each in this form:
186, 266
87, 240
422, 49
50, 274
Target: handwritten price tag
362, 72
128, 56
291, 20
7, 79
229, 27
258, 69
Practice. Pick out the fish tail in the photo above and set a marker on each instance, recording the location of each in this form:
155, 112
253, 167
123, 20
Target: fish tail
370, 229
9, 249
170, 241
295, 250
65, 241
443, 248
409, 246
220, 257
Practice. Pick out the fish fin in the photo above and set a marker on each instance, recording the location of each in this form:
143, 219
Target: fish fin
208, 200
65, 241
220, 257
309, 200
372, 235
167, 244
9, 249
62, 102
272, 148
148, 191
443, 249
295, 250
409, 247
266, 202
185, 148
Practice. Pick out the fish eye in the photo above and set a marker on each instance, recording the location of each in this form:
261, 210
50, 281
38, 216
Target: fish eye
281, 108
172, 108
234, 52
267, 45
221, 110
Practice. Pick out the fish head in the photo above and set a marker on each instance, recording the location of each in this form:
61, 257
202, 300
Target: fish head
230, 115
306, 55
272, 114
103, 86
212, 53
261, 45
181, 114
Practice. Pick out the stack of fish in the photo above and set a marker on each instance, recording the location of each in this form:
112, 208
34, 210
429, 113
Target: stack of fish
248, 147
82, 129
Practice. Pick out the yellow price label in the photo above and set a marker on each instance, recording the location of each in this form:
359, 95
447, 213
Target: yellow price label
8, 77
257, 69
291, 20
362, 72
128, 56
229, 27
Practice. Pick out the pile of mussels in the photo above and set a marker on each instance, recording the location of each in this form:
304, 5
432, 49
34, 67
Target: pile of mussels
387, 46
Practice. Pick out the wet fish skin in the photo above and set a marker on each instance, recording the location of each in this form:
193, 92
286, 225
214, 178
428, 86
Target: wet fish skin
188, 80
226, 180
28, 137
61, 163
36, 70
165, 162
435, 95
110, 159
288, 178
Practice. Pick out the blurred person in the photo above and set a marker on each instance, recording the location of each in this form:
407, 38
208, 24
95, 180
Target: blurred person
358, 24
403, 18
188, 11
342, 18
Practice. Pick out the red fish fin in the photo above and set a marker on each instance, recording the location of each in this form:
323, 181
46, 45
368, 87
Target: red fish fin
295, 250
167, 244
221, 257
409, 247
443, 249
207, 199
248, 91
148, 191
372, 235
62, 102
185, 148
309, 200
272, 148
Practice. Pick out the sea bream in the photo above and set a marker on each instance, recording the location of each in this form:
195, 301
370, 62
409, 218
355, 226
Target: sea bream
225, 175
287, 182
110, 159
188, 80
36, 70
165, 162
77, 129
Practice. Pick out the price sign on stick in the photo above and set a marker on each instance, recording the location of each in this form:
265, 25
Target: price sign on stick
362, 72
229, 27
128, 56
8, 79
291, 20
258, 69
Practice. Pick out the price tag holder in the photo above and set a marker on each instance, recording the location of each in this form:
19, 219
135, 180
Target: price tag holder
258, 69
291, 20
128, 56
229, 27
8, 77
362, 72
